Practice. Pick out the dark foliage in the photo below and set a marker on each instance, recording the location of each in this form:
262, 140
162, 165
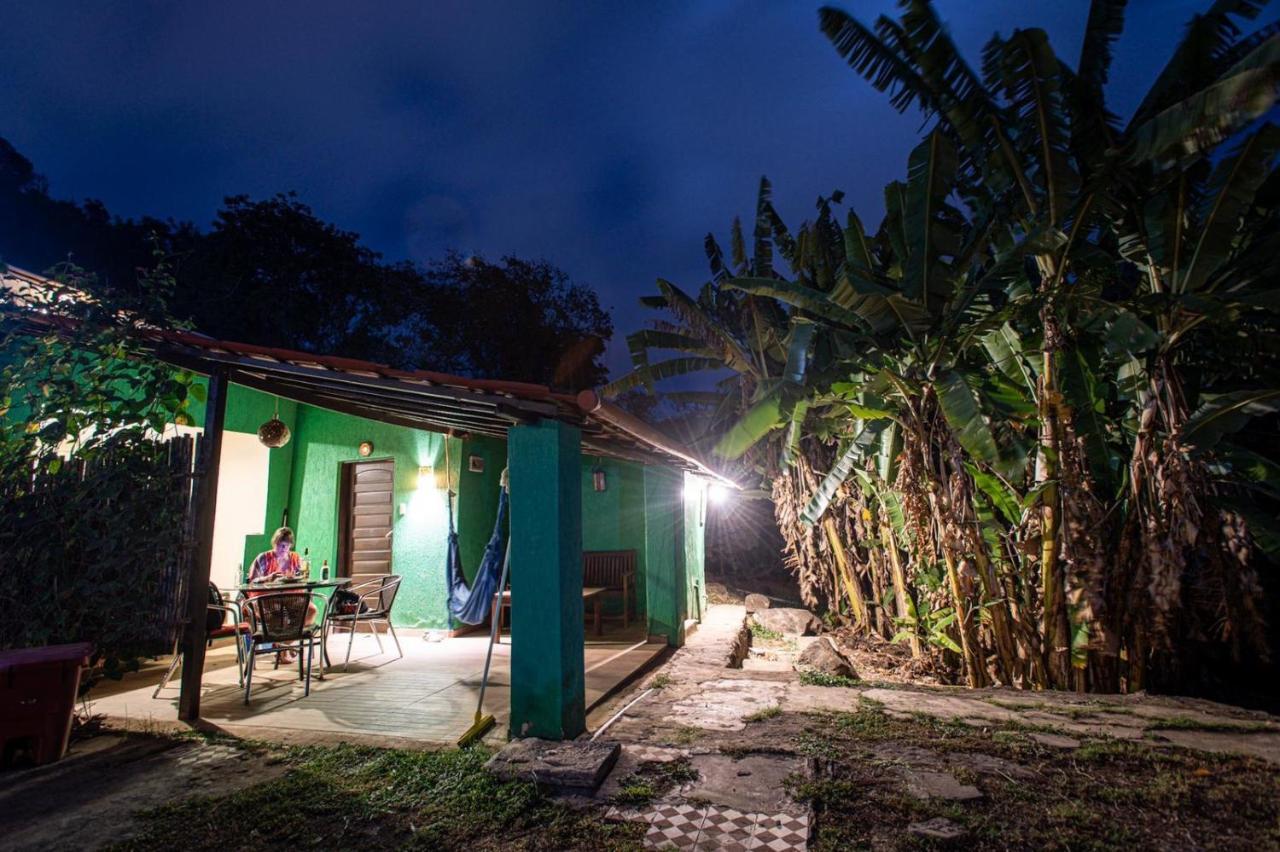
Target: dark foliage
271, 272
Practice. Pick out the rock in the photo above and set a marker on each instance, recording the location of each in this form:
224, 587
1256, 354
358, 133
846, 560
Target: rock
1055, 740
938, 828
787, 621
718, 593
580, 765
756, 602
822, 656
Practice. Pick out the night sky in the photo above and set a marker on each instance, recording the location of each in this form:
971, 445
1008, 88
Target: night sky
607, 138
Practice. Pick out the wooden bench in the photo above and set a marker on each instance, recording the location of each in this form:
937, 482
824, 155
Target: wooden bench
613, 571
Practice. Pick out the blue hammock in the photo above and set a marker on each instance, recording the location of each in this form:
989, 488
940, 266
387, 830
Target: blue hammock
471, 605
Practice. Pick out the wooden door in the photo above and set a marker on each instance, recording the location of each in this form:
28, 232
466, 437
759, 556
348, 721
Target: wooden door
367, 513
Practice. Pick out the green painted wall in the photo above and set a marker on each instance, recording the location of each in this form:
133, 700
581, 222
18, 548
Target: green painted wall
613, 519
324, 440
665, 585
477, 502
695, 528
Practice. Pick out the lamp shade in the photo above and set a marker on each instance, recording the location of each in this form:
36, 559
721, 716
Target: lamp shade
274, 433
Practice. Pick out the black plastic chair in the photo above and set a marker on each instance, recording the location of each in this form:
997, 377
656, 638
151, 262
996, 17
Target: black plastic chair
279, 620
374, 601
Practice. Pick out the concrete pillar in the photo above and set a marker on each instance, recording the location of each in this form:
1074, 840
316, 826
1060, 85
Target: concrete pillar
665, 585
547, 679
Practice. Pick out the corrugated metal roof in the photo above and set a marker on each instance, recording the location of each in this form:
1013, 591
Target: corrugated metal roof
420, 399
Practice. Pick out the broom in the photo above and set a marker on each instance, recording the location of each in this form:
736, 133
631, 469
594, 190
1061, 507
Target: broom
482, 722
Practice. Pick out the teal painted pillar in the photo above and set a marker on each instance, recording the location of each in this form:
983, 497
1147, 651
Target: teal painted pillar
547, 678
665, 595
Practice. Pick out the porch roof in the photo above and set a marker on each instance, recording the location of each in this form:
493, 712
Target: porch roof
420, 399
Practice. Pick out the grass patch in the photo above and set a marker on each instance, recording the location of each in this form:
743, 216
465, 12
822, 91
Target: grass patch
661, 681
360, 797
686, 735
764, 713
1182, 723
759, 631
1107, 794
810, 678
654, 779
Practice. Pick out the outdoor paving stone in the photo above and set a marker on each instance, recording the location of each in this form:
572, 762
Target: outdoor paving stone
1265, 746
581, 765
801, 698
938, 828
940, 705
755, 783
1054, 740
721, 705
931, 784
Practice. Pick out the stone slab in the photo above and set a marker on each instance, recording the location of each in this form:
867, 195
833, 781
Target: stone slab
930, 784
1054, 740
755, 783
575, 765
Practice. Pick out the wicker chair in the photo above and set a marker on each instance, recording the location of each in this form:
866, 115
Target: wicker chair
374, 599
279, 622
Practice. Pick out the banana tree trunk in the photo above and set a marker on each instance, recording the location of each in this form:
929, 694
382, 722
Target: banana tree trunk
1055, 631
857, 603
899, 584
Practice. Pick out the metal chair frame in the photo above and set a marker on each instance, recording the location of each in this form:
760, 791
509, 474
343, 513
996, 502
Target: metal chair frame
304, 637
381, 591
229, 607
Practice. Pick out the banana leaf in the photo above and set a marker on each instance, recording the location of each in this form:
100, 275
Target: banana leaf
805, 298
1222, 414
961, 409
659, 371
759, 420
854, 451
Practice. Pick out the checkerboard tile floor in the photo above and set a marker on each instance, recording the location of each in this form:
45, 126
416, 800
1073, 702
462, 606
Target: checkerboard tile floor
679, 825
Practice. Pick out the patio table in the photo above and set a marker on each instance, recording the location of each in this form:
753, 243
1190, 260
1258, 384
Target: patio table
301, 586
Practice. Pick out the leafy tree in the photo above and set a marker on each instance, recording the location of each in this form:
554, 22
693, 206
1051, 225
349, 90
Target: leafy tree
273, 273
1002, 425
91, 512
516, 319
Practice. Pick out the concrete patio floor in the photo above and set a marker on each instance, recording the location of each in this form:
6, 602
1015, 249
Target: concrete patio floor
428, 697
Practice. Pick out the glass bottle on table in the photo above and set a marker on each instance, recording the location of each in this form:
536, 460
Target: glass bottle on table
305, 573
324, 569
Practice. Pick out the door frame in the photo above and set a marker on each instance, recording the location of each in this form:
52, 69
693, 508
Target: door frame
346, 478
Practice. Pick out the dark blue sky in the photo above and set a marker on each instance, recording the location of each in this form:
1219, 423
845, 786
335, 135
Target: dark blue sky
605, 137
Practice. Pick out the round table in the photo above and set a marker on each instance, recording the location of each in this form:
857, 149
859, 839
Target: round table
300, 586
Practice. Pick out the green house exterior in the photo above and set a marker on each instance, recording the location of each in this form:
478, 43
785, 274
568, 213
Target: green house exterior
646, 508
584, 476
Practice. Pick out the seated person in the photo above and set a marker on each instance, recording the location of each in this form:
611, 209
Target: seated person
280, 562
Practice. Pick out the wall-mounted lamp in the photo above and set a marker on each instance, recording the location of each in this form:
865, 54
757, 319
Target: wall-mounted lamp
430, 476
365, 449
598, 481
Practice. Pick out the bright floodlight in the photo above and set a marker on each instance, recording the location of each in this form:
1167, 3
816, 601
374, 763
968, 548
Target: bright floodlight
718, 493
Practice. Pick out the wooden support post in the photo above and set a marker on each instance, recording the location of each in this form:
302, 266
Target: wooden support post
202, 562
